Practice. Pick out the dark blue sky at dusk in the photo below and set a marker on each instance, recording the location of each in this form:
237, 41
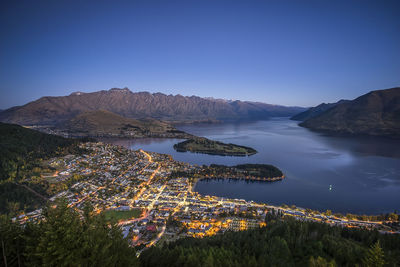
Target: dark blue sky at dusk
280, 52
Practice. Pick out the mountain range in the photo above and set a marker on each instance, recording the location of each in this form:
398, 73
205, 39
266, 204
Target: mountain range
120, 112
315, 111
376, 113
139, 105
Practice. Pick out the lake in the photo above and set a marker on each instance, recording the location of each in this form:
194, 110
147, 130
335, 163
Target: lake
343, 174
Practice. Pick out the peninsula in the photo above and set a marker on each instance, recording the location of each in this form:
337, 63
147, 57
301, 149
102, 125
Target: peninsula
258, 172
207, 146
251, 172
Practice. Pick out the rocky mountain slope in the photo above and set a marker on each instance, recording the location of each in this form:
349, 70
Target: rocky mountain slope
375, 113
173, 108
315, 111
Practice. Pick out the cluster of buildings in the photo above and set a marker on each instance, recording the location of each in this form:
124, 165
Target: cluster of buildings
110, 177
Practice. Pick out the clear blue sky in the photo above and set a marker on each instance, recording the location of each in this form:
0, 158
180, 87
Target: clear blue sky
280, 52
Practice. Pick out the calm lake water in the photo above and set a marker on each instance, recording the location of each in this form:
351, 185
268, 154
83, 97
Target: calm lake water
363, 173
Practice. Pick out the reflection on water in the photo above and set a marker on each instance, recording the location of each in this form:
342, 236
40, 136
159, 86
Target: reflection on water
367, 146
364, 172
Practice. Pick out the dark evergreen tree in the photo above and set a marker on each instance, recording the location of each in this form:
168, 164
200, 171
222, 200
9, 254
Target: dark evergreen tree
375, 256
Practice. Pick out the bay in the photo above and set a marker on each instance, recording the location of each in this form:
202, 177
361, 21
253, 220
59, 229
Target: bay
343, 174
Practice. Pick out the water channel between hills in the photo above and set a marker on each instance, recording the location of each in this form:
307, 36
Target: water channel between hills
344, 174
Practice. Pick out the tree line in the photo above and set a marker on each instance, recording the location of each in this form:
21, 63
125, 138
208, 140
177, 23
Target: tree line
283, 242
65, 237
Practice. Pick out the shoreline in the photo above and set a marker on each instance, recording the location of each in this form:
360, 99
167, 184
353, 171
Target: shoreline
217, 154
356, 211
246, 178
254, 179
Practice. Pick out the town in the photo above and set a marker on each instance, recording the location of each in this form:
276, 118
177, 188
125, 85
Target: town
144, 193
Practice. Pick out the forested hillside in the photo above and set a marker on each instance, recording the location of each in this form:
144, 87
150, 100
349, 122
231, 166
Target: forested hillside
20, 152
282, 243
64, 238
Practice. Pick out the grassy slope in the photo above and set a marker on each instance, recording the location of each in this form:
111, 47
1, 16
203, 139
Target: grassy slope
101, 121
106, 123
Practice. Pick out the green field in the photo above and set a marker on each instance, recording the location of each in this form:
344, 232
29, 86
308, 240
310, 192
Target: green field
115, 215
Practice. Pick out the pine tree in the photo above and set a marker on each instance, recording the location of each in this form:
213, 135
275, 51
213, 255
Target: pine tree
320, 262
11, 243
375, 256
63, 238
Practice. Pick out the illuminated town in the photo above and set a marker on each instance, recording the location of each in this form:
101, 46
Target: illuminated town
152, 203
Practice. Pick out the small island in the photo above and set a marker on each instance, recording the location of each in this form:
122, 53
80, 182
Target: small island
207, 146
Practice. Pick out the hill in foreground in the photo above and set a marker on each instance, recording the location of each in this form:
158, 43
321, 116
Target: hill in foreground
376, 113
283, 242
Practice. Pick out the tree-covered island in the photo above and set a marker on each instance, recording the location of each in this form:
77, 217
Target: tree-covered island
207, 146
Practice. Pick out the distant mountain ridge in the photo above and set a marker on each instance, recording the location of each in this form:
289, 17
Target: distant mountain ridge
138, 105
315, 111
376, 113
